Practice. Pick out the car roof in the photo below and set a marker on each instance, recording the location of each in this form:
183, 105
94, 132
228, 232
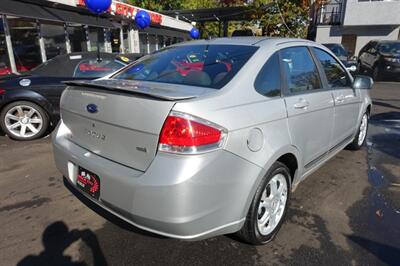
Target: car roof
246, 40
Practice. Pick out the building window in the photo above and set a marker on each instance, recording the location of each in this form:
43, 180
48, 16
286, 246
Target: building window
152, 41
54, 39
167, 40
125, 30
25, 42
5, 68
77, 38
93, 32
115, 40
160, 41
143, 42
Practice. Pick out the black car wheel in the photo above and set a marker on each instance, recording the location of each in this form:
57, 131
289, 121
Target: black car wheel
269, 206
360, 68
23, 120
376, 74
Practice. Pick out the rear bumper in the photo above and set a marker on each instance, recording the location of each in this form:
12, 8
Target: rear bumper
184, 197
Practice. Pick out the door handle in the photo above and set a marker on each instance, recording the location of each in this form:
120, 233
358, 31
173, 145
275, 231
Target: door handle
340, 98
301, 104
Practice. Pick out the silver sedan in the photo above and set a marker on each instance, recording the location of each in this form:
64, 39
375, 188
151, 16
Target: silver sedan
210, 137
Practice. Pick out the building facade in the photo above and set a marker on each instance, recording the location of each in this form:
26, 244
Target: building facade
34, 31
354, 23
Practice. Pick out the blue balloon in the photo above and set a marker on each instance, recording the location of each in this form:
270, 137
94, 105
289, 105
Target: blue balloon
142, 19
194, 33
98, 6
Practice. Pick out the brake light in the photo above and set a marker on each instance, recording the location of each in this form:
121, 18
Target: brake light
183, 133
2, 91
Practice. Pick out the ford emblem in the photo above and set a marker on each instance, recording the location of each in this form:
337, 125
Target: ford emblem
92, 108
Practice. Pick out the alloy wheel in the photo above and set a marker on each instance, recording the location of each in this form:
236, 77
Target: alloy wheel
23, 121
363, 129
272, 204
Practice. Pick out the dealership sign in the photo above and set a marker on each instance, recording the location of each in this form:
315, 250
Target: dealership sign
129, 11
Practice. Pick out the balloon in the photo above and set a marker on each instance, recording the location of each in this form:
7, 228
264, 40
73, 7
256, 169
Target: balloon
98, 6
194, 33
142, 19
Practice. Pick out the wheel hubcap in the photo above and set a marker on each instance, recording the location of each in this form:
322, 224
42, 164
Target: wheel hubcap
272, 204
23, 121
363, 129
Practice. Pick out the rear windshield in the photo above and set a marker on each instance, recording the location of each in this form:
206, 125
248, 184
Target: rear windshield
209, 66
91, 68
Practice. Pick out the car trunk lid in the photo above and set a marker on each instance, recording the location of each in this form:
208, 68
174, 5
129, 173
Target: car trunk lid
121, 120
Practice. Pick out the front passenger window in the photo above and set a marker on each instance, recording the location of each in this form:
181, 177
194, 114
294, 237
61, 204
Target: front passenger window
335, 74
301, 72
268, 81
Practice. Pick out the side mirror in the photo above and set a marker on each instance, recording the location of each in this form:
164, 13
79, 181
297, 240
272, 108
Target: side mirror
352, 68
362, 82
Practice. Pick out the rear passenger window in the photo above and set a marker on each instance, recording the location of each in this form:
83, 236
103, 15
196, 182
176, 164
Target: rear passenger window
335, 74
268, 81
301, 72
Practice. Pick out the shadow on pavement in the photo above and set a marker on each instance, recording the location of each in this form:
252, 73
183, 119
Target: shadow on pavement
382, 117
133, 245
385, 253
387, 141
375, 102
56, 239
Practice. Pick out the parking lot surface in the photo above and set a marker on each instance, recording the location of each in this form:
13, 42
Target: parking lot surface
346, 213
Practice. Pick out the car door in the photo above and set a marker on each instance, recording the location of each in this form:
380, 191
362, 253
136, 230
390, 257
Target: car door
347, 102
371, 54
309, 105
362, 57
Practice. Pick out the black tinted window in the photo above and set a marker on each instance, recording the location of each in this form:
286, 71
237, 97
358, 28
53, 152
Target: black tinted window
389, 47
199, 65
268, 81
301, 72
335, 74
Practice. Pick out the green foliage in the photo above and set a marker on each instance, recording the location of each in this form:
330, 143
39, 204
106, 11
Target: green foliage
281, 17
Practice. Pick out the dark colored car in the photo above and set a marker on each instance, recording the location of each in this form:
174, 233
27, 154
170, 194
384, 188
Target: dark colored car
341, 52
246, 32
29, 102
381, 59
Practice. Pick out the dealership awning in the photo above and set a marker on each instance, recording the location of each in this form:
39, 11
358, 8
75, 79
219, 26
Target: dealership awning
216, 14
41, 12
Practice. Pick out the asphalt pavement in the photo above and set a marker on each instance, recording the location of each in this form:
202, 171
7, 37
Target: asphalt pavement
346, 213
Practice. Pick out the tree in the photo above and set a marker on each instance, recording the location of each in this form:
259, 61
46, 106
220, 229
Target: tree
283, 18
274, 17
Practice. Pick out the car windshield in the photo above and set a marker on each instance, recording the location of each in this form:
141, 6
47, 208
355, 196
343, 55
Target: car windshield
198, 65
338, 50
390, 47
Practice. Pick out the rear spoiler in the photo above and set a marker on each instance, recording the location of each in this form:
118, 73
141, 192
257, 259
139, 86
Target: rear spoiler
134, 88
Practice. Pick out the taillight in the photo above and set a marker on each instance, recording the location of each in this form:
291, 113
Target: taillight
2, 91
183, 133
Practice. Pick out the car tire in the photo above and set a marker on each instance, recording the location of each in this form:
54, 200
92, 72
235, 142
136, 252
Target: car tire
257, 229
360, 68
376, 74
361, 136
24, 120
